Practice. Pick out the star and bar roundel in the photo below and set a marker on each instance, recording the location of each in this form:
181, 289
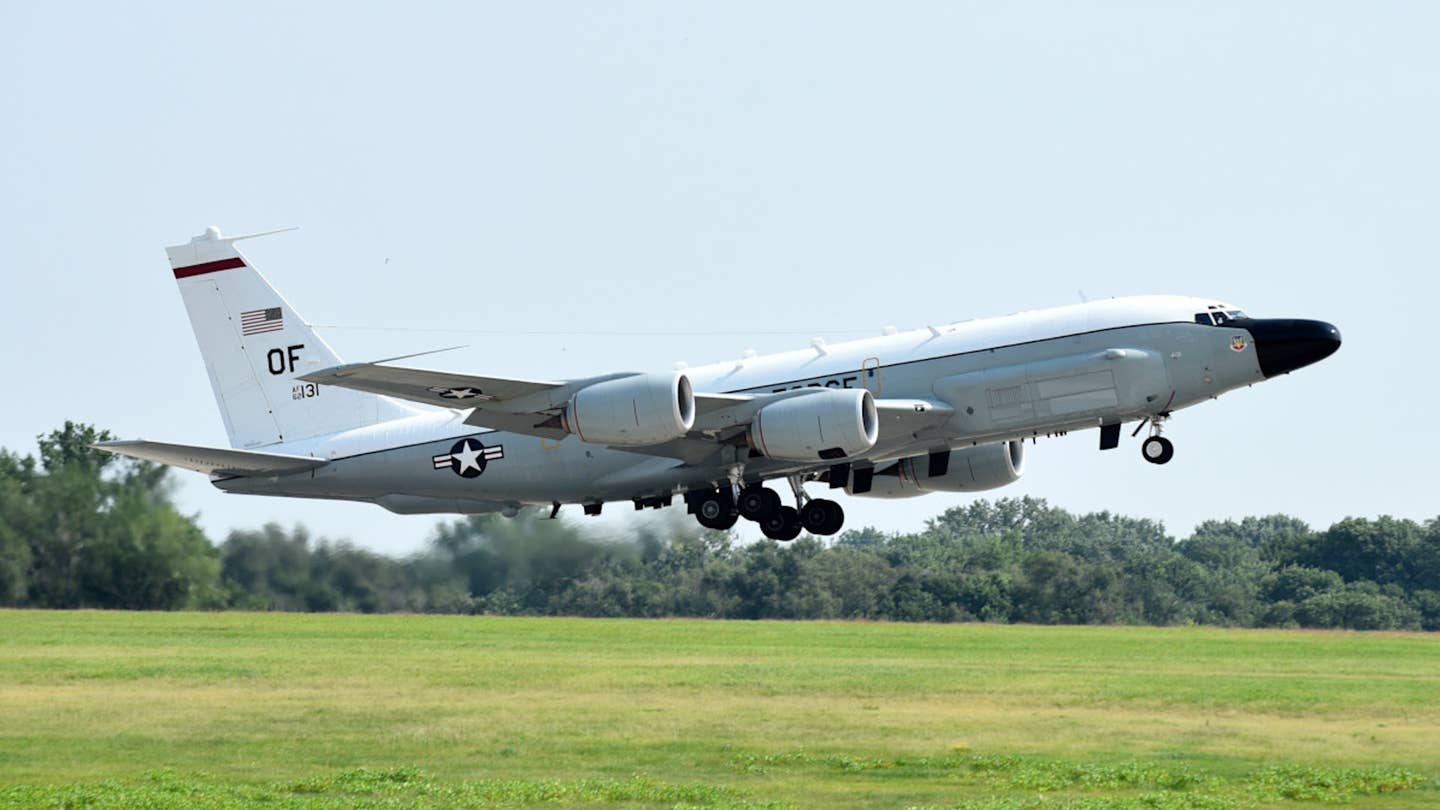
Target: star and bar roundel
463, 392
468, 458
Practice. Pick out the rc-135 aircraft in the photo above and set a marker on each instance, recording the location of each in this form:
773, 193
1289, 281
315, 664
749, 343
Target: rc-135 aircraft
940, 409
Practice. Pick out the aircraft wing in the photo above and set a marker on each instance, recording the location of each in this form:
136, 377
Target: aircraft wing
442, 388
502, 403
533, 407
214, 460
528, 407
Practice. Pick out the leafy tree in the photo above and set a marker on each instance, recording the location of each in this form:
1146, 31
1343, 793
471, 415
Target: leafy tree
18, 518
1357, 607
96, 530
845, 583
271, 569
1377, 550
82, 528
1296, 583
1056, 588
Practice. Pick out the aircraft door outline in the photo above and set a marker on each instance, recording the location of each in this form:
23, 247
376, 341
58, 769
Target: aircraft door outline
870, 374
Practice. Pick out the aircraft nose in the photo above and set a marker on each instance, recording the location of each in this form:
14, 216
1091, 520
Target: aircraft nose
1285, 344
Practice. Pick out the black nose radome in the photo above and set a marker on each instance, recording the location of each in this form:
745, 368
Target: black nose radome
1284, 344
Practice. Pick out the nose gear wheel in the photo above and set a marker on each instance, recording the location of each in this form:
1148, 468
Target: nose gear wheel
1157, 449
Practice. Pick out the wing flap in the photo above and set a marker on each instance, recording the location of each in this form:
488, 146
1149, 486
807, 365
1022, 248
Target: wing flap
213, 460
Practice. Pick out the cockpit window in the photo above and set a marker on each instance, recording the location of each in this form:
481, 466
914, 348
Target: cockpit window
1217, 316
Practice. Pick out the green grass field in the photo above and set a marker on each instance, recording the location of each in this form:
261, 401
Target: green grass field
183, 710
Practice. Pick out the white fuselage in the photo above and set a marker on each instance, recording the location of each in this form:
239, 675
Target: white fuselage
1028, 374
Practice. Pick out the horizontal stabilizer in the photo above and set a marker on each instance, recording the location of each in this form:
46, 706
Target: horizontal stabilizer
214, 460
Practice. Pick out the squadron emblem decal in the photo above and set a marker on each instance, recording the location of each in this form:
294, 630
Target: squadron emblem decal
468, 458
1237, 344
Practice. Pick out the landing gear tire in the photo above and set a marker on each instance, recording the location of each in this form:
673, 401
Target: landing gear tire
719, 524
1157, 450
820, 516
783, 525
712, 513
758, 503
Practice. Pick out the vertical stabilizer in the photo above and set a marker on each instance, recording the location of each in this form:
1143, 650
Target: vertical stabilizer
255, 346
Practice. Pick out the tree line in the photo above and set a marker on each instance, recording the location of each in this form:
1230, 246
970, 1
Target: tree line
85, 529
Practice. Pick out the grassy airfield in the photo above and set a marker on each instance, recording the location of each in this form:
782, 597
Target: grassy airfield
215, 710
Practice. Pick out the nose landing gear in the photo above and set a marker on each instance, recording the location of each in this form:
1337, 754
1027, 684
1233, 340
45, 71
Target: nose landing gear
1157, 449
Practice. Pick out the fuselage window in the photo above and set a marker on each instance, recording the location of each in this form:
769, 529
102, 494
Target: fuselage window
1203, 318
1235, 313
1220, 318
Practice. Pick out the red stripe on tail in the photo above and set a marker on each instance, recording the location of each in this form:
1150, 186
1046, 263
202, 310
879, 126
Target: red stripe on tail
208, 267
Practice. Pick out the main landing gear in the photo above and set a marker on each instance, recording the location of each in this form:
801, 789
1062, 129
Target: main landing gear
715, 509
783, 524
1157, 449
817, 515
721, 508
821, 516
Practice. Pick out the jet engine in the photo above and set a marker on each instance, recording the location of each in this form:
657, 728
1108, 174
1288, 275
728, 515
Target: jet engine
828, 424
972, 469
632, 411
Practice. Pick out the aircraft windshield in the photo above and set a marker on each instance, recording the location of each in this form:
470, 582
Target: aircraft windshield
1218, 316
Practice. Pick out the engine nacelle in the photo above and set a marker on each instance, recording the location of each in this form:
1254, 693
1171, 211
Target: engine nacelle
973, 469
632, 411
828, 424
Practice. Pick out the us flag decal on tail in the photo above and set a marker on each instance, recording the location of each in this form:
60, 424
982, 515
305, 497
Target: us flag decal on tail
258, 321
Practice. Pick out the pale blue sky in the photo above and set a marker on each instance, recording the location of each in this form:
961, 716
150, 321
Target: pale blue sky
742, 170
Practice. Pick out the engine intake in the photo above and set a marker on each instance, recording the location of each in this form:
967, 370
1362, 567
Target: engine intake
632, 411
824, 426
973, 469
